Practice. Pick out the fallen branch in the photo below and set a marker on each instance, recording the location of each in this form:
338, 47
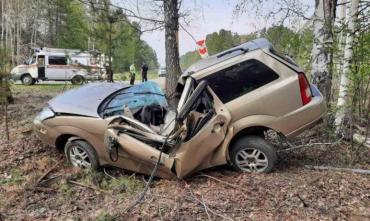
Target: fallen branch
87, 186
223, 182
361, 171
110, 176
300, 198
293, 147
47, 180
46, 173
206, 208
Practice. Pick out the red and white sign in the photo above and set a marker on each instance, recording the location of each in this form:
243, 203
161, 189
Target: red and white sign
202, 48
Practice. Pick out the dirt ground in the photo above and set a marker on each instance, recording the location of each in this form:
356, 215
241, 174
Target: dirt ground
291, 192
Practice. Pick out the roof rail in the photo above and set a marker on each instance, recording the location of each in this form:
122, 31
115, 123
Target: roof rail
227, 54
248, 46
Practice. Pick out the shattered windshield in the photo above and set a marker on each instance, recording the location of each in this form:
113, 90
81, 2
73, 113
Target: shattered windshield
134, 98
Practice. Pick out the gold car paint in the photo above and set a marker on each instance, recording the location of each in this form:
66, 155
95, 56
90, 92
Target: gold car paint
198, 151
266, 106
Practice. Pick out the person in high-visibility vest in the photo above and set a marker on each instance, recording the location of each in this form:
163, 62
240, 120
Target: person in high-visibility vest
132, 74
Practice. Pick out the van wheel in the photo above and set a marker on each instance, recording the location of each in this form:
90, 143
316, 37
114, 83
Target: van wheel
81, 154
27, 80
253, 154
77, 80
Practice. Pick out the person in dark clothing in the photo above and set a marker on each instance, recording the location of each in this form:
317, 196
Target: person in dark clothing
144, 72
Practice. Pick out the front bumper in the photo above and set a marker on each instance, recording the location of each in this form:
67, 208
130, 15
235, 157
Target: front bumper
15, 77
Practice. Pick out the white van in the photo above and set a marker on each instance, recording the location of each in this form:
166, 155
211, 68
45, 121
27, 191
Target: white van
57, 64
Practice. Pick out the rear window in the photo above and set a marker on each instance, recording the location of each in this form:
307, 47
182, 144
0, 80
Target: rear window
57, 60
240, 79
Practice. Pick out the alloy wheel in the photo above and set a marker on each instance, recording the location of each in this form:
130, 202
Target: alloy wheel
251, 160
79, 157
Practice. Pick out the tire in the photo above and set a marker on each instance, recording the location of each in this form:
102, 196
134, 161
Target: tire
78, 80
81, 154
252, 154
27, 80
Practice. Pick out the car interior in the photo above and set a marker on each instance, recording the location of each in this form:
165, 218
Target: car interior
152, 124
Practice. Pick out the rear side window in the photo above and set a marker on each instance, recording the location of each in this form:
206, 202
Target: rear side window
240, 79
57, 60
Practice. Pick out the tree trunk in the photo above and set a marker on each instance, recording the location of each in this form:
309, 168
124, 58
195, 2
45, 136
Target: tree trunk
322, 46
2, 19
173, 70
344, 80
341, 9
6, 121
110, 68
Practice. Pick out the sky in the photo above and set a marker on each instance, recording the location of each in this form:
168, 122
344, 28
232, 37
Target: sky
207, 16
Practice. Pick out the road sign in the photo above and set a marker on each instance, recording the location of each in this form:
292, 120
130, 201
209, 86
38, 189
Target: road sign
202, 48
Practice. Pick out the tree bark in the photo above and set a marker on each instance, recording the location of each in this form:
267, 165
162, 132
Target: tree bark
173, 70
110, 68
344, 80
6, 121
322, 46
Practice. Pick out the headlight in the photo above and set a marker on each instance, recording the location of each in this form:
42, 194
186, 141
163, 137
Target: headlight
46, 113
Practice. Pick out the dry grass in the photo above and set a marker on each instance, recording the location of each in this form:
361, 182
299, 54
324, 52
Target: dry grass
291, 192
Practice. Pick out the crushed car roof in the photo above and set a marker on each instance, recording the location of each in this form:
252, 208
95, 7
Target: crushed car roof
227, 54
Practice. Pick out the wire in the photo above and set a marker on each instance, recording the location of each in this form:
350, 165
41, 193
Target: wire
146, 188
183, 28
142, 194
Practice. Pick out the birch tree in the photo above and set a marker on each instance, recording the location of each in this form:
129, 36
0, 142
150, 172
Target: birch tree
322, 50
344, 79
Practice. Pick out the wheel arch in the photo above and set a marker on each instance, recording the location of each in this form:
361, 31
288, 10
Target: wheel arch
252, 130
25, 74
256, 130
63, 139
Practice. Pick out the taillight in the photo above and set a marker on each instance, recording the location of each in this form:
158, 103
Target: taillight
304, 87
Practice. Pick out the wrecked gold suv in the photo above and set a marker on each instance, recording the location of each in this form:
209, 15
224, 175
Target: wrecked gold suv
226, 103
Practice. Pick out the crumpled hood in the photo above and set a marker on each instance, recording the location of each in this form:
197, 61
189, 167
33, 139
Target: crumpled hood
84, 100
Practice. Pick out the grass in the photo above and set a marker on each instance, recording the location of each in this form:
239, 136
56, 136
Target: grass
126, 76
42, 87
104, 217
121, 185
15, 178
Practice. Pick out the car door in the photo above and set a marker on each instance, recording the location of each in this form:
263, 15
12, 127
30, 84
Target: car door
191, 153
57, 68
134, 154
198, 152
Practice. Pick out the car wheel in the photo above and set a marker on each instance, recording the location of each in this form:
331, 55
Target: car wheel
28, 80
253, 154
77, 80
80, 154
